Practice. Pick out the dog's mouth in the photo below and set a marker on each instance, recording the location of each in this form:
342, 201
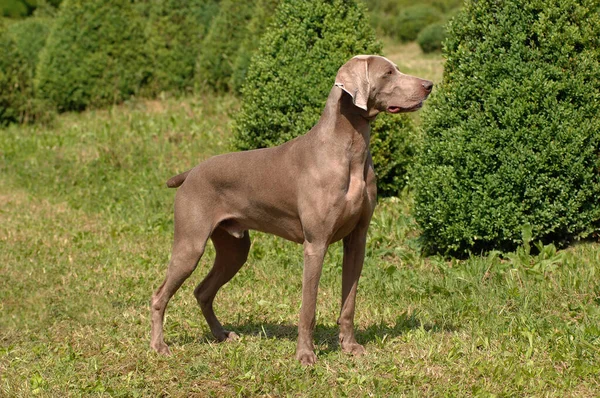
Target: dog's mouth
398, 109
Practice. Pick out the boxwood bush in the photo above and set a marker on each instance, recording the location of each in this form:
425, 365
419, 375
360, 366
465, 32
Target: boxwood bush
431, 37
175, 32
261, 18
294, 69
411, 20
384, 13
512, 137
95, 55
15, 80
30, 35
219, 48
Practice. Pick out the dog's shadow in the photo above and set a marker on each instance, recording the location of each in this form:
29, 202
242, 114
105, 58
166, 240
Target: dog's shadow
326, 335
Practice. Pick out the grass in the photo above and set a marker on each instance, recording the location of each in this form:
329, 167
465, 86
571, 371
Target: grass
85, 234
411, 60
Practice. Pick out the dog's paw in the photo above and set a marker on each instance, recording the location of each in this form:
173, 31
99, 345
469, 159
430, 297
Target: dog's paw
353, 348
226, 336
161, 348
306, 357
231, 336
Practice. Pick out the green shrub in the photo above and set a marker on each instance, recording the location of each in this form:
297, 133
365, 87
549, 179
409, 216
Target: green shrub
15, 82
219, 48
393, 146
94, 55
412, 20
263, 13
431, 37
385, 14
14, 8
30, 36
292, 72
176, 29
23, 8
512, 137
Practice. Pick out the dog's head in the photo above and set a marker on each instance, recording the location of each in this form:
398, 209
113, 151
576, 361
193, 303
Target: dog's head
376, 85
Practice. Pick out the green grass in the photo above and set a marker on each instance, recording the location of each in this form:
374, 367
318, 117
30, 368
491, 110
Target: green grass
85, 234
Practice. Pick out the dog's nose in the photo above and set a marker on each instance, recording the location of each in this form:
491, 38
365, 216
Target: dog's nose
427, 85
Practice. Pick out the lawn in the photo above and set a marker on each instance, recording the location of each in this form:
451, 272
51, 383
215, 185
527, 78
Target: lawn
85, 234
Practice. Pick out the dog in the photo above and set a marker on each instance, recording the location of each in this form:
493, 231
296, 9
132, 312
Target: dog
316, 189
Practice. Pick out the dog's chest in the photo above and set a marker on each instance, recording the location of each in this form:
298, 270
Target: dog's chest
354, 202
356, 194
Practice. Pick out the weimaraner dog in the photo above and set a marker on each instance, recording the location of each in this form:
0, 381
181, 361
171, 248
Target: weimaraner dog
315, 189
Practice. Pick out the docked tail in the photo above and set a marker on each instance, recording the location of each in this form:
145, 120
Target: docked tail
176, 181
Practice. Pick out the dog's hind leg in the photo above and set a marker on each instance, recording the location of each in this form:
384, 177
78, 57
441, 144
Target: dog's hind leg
184, 259
231, 254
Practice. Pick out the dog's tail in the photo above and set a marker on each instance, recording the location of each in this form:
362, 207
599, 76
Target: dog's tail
176, 181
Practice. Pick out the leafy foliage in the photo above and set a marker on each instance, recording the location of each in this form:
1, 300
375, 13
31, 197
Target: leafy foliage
15, 81
412, 20
30, 35
94, 55
292, 73
23, 8
512, 137
385, 13
219, 48
14, 8
393, 147
176, 29
263, 14
431, 37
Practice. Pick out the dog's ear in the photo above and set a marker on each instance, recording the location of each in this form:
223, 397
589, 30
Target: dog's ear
353, 78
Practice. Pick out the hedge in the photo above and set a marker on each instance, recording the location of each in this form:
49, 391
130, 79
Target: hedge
261, 18
431, 37
411, 20
512, 136
219, 48
175, 32
30, 36
95, 55
15, 81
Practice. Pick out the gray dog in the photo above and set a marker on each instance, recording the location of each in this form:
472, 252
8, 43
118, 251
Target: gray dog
315, 190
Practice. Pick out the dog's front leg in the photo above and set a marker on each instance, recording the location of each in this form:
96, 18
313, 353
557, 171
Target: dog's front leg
354, 255
314, 253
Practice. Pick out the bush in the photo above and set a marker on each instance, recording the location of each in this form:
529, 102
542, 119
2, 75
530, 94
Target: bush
94, 55
30, 36
23, 8
263, 14
393, 146
14, 8
292, 72
512, 137
431, 37
15, 82
384, 13
219, 48
412, 20
176, 29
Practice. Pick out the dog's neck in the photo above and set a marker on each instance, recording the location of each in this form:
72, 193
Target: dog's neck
343, 123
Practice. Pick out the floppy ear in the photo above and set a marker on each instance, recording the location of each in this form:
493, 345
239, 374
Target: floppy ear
353, 78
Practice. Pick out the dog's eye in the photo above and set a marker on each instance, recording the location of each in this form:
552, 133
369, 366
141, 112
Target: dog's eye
389, 72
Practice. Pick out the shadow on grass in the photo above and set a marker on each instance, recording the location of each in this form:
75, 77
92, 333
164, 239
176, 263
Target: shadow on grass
325, 334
